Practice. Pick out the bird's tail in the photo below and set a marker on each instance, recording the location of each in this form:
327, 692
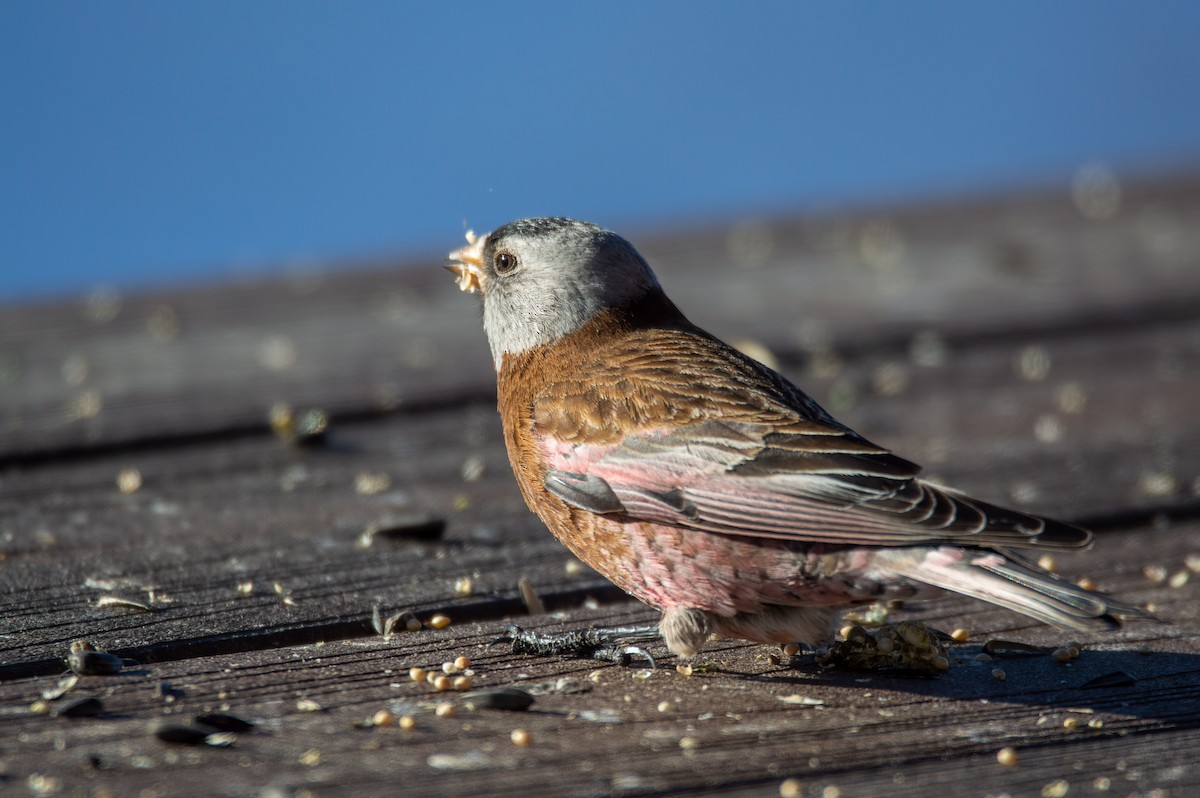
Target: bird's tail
1003, 578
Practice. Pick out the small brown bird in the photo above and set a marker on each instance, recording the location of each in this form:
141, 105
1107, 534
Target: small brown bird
705, 484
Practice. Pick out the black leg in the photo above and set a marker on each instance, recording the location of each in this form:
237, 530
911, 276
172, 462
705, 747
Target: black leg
608, 644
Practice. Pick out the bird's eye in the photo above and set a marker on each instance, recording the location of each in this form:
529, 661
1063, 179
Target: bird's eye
504, 262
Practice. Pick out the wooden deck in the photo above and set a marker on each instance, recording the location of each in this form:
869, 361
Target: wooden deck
1039, 350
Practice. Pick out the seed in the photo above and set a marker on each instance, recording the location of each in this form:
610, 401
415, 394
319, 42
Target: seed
406, 722
439, 621
574, 567
310, 757
1062, 655
665, 706
1086, 583
461, 683
521, 738
1071, 724
1178, 579
791, 649
449, 668
689, 743
791, 788
418, 675
960, 635
684, 670
307, 705
463, 586
1007, 757
1056, 789
999, 675
442, 683
129, 480
1048, 563
444, 710
1096, 724
1155, 573
462, 663
940, 663
383, 718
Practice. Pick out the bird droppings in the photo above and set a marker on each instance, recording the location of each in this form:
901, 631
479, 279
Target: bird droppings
684, 669
308, 705
906, 647
1007, 756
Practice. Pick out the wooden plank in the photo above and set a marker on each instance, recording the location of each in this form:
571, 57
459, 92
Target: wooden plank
738, 724
222, 513
141, 368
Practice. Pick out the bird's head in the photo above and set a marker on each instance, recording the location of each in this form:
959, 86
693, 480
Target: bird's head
542, 279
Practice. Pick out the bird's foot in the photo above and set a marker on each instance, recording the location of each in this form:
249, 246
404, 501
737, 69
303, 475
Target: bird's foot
608, 644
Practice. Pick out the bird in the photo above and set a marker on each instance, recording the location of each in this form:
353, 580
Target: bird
707, 485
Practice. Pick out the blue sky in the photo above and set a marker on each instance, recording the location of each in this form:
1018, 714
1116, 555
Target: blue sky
145, 143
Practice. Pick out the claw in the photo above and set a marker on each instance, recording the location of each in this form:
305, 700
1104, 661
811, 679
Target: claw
604, 644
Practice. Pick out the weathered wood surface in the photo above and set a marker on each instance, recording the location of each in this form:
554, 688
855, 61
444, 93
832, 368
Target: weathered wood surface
1016, 348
